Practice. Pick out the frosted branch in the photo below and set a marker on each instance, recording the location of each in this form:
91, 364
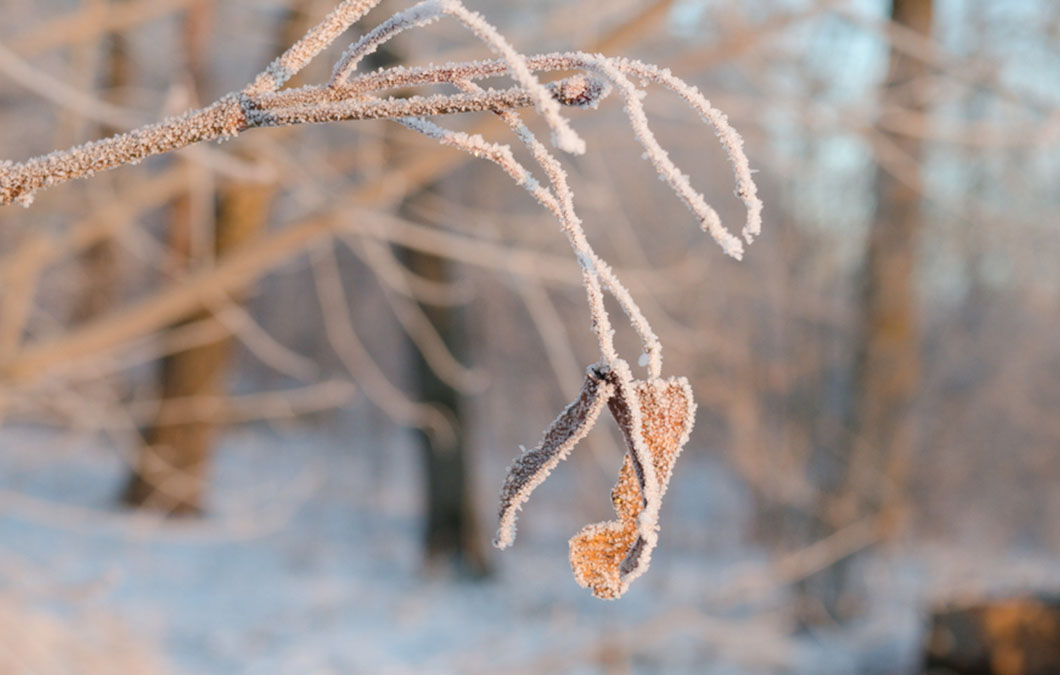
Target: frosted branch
232, 115
654, 415
319, 38
429, 11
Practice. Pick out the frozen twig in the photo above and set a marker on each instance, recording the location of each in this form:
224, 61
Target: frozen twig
428, 11
228, 117
619, 69
654, 414
319, 38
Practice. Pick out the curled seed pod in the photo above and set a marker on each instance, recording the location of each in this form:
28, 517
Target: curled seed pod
607, 556
532, 467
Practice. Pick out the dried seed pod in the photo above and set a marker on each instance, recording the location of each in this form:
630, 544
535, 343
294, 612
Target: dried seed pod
607, 556
532, 467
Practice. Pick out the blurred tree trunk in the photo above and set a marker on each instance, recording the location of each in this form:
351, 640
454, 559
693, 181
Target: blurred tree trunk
871, 479
171, 469
887, 370
453, 534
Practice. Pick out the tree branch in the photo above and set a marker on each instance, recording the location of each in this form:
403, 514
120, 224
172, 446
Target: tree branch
235, 113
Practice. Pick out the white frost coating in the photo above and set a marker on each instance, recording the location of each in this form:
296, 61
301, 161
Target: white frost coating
650, 522
417, 16
477, 146
642, 460
730, 140
587, 264
532, 467
289, 108
521, 480
709, 219
563, 210
594, 268
428, 11
563, 137
557, 61
305, 50
607, 556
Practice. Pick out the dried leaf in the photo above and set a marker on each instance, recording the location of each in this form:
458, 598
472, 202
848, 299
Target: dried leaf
532, 467
607, 556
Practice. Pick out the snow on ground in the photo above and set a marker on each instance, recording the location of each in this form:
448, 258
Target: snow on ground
309, 562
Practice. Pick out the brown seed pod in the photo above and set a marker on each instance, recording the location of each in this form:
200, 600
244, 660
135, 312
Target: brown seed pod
606, 556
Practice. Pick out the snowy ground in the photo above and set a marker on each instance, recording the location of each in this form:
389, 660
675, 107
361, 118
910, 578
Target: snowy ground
309, 563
